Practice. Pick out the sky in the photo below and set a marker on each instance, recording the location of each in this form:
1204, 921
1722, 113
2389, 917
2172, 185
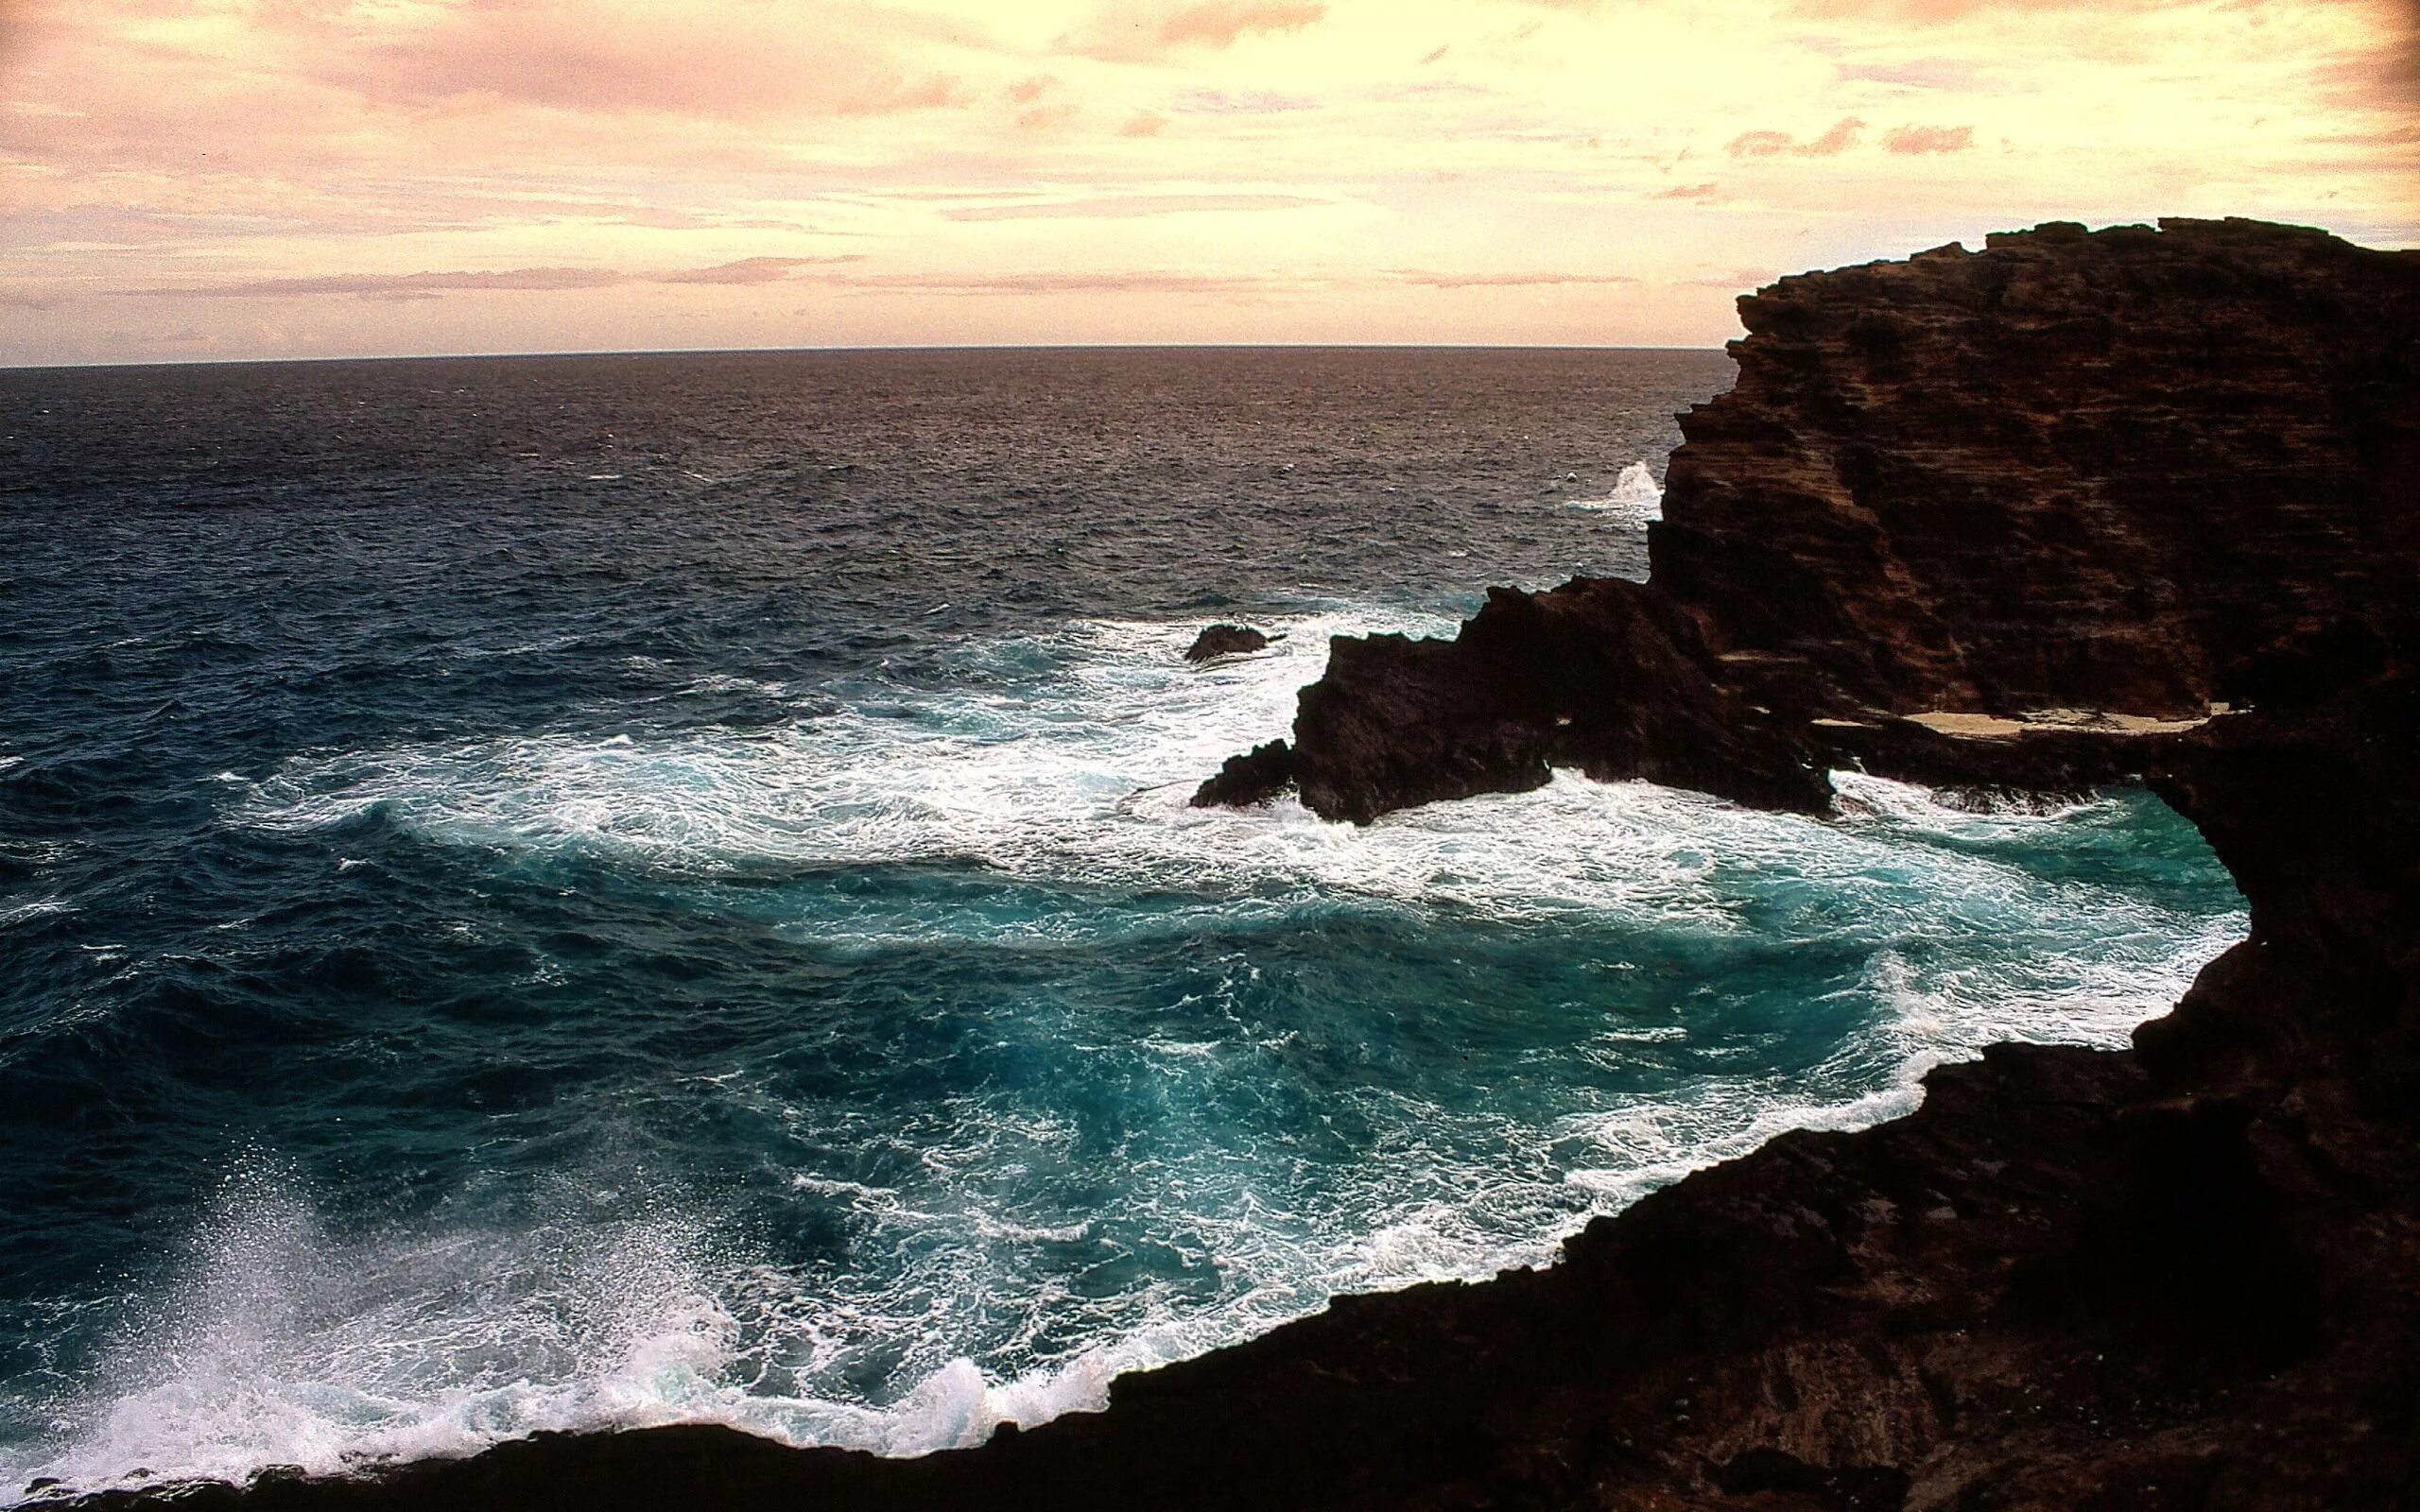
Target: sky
241, 179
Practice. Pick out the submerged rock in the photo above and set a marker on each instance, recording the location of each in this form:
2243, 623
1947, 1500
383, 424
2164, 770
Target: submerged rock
1225, 640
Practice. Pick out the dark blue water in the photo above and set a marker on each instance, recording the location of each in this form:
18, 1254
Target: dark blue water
563, 892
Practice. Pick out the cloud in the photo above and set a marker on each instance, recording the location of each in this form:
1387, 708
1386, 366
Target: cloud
1761, 144
1042, 109
1923, 73
1124, 207
748, 271
717, 62
1134, 31
2384, 77
1220, 23
2394, 136
1745, 278
1915, 140
1503, 281
1249, 102
1925, 12
1038, 284
1143, 123
1842, 136
1688, 191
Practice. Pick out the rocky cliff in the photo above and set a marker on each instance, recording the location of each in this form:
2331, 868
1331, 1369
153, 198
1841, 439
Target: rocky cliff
2129, 472
2124, 473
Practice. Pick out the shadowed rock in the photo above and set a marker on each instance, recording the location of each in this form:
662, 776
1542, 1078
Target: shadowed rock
1225, 640
1255, 777
2114, 472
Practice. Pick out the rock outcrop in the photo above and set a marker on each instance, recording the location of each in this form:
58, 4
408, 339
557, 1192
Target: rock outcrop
2132, 473
2120, 471
1225, 640
1596, 675
1254, 777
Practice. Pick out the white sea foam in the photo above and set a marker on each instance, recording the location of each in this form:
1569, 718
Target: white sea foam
1635, 500
1083, 784
286, 1344
32, 908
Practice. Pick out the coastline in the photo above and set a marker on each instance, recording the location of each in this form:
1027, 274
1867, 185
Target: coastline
2180, 1275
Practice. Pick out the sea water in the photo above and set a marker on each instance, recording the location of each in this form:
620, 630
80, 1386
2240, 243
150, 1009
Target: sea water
565, 893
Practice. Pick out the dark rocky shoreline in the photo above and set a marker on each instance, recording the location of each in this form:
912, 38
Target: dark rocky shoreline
2138, 473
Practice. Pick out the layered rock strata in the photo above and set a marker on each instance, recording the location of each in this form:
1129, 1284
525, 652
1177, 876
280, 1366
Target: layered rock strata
2185, 1276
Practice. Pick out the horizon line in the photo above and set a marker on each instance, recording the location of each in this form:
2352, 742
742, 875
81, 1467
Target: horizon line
869, 350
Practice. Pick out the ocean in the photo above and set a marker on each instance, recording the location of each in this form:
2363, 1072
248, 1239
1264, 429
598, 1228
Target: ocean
571, 892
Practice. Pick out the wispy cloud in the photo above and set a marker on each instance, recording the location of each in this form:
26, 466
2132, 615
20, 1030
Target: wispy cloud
1247, 102
792, 60
1914, 141
1738, 279
1841, 137
746, 271
1124, 207
1923, 73
1070, 283
1688, 191
1925, 12
1503, 281
1220, 23
1132, 31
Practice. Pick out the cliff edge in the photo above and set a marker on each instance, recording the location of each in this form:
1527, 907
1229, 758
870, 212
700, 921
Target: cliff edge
2054, 500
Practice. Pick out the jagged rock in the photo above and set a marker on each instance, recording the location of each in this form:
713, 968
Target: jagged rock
1254, 777
2123, 471
1225, 640
2100, 470
1598, 674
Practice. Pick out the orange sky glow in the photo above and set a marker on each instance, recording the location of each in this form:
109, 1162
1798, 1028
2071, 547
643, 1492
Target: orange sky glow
226, 178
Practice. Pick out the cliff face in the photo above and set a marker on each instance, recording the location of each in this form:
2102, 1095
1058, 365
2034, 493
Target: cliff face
2100, 470
2127, 471
2186, 1276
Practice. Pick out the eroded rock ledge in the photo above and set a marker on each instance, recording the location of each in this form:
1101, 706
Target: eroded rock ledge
2133, 471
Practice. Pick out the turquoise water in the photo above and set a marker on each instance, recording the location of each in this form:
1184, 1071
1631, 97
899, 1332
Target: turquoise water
622, 892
